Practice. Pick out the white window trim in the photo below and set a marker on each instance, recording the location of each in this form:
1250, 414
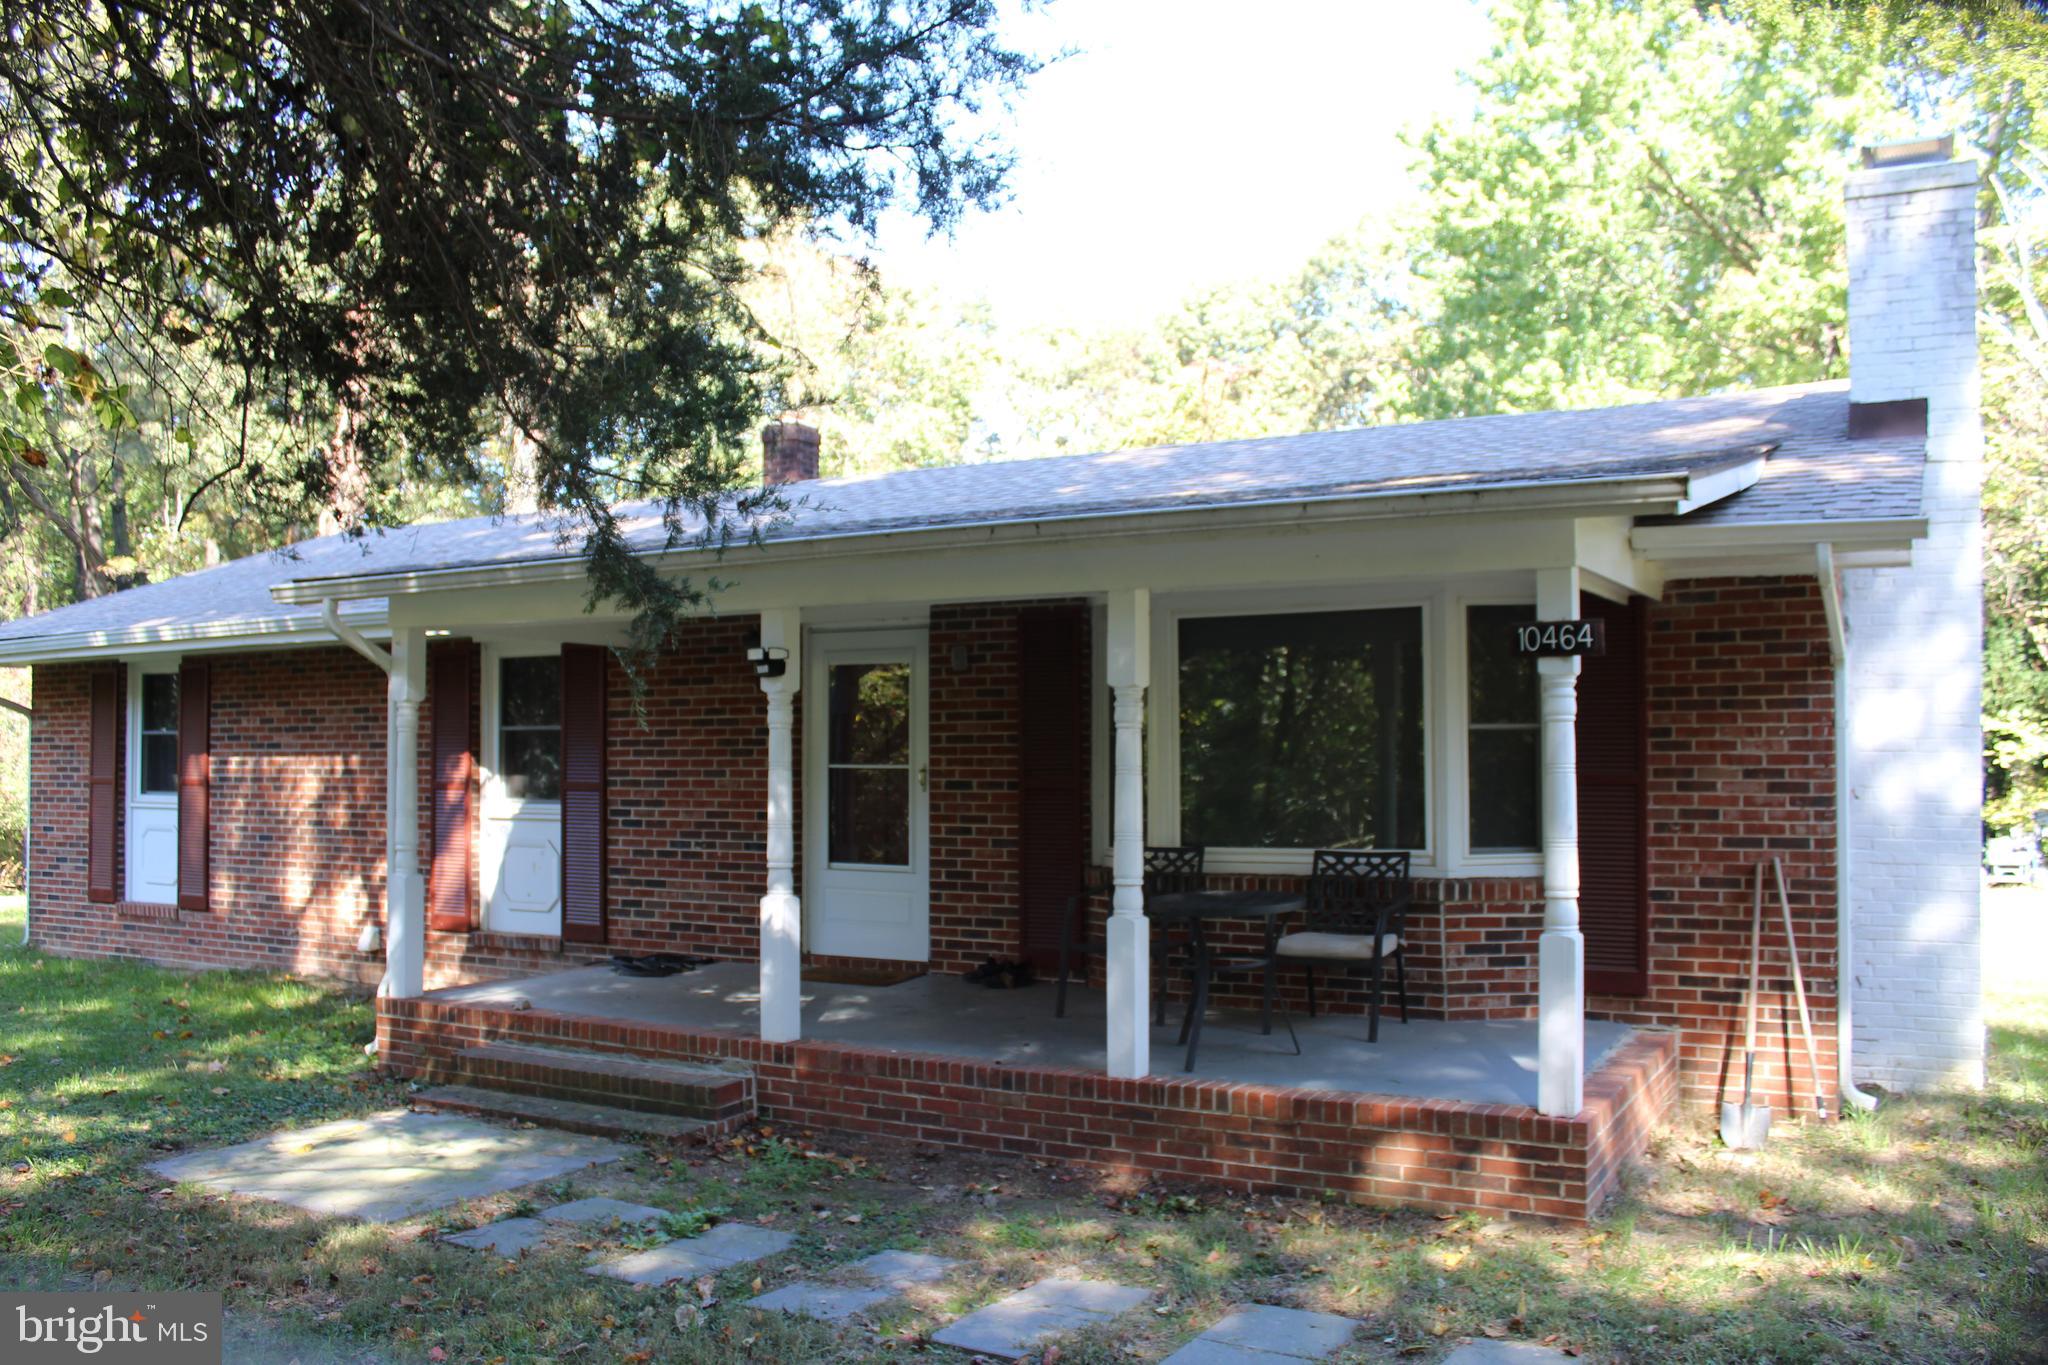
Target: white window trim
1162, 728
496, 801
1446, 794
154, 664
1494, 863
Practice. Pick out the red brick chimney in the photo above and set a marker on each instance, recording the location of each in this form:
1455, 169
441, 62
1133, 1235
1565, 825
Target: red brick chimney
789, 453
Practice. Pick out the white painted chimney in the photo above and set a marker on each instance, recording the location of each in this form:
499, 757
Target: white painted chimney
1915, 649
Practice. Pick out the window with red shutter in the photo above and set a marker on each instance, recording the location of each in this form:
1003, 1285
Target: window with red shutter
451, 692
1613, 760
195, 782
1052, 772
583, 792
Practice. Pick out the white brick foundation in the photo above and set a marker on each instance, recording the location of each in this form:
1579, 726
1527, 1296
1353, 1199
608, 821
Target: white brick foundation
1916, 644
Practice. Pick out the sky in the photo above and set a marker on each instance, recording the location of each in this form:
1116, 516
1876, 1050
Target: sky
1188, 143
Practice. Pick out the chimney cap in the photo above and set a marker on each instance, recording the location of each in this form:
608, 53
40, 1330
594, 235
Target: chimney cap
1915, 153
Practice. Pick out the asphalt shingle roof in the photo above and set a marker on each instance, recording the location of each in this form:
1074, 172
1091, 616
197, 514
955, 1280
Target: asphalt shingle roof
1815, 473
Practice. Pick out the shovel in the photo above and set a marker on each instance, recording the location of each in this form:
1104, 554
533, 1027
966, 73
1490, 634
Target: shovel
1745, 1126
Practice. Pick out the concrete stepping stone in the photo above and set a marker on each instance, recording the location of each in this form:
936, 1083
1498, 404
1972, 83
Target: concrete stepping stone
902, 1269
391, 1165
1265, 1334
825, 1302
1502, 1353
508, 1237
1011, 1327
727, 1245
603, 1211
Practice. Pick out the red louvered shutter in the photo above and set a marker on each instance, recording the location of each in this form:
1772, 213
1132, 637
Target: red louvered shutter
451, 691
103, 787
1613, 758
583, 795
195, 781
1052, 773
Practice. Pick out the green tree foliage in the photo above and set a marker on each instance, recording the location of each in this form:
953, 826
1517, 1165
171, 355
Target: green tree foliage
433, 219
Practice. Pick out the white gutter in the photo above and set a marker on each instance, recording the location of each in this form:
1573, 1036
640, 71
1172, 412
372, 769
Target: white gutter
1845, 988
249, 632
1635, 494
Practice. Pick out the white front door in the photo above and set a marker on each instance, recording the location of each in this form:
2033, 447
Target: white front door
152, 859
519, 834
866, 868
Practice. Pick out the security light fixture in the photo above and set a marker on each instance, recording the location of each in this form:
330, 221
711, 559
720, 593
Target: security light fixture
769, 662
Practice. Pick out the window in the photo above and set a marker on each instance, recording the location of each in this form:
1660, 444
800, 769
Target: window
867, 763
530, 727
158, 769
1503, 736
1303, 730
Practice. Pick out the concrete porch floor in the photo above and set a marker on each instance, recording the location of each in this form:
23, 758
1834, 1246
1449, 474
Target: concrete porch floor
1477, 1062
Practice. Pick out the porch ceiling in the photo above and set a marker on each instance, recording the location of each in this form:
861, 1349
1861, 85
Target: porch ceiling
1476, 1062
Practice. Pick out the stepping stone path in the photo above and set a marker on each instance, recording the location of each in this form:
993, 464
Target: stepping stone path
603, 1211
1011, 1327
1265, 1335
1502, 1353
389, 1166
508, 1238
897, 1270
822, 1301
725, 1246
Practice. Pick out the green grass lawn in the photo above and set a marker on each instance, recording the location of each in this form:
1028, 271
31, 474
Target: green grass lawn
1920, 1233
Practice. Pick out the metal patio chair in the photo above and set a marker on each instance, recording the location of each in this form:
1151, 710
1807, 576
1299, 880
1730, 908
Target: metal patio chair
1169, 870
1357, 916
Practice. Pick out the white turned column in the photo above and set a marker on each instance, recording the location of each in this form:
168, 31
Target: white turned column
1129, 964
405, 898
781, 911
1561, 951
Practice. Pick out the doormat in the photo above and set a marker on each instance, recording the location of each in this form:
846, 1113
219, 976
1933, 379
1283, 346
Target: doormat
860, 976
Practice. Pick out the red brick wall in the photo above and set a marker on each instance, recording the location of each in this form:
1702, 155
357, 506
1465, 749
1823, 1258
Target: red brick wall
1741, 769
1435, 1154
297, 822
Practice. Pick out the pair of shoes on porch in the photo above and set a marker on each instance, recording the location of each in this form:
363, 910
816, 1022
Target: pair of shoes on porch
655, 964
1002, 976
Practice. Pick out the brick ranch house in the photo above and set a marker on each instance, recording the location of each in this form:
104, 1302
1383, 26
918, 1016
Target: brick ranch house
986, 677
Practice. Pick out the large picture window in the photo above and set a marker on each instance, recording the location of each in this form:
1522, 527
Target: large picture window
1503, 736
530, 727
1303, 730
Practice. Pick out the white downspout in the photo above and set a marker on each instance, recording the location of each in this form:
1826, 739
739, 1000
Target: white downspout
1838, 654
28, 827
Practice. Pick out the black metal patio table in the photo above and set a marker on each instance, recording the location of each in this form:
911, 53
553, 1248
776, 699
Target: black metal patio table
1197, 909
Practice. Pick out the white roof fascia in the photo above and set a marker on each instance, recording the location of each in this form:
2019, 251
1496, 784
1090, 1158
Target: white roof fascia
272, 632
1636, 495
1748, 538
1710, 486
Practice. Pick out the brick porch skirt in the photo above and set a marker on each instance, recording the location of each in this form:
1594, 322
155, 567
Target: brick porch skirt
1441, 1155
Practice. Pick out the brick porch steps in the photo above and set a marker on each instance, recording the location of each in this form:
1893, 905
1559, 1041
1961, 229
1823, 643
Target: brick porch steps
708, 1093
597, 1120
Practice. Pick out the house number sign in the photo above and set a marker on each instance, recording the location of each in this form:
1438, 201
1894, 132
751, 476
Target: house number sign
1560, 639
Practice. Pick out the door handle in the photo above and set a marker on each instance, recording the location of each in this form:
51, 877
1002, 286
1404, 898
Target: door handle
924, 777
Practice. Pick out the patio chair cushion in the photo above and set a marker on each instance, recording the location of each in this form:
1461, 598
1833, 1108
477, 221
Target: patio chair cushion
1349, 947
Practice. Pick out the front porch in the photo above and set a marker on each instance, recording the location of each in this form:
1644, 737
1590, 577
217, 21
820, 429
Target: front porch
1439, 1114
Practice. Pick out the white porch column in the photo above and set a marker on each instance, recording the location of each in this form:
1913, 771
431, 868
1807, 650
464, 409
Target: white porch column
405, 900
1129, 964
1561, 952
781, 912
